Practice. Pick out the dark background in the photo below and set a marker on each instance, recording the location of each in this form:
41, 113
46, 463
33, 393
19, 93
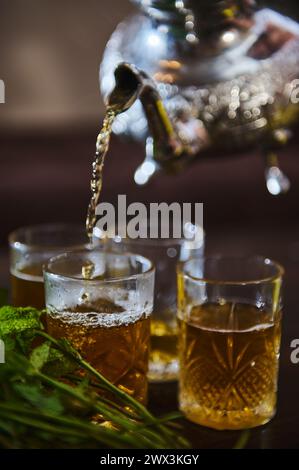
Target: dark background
50, 52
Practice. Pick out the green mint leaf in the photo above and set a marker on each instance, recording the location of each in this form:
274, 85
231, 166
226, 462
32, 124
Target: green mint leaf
49, 360
17, 365
40, 355
17, 320
36, 396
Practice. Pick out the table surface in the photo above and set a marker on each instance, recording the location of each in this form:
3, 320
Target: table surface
240, 218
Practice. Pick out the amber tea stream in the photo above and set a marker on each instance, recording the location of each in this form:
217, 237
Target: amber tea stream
102, 146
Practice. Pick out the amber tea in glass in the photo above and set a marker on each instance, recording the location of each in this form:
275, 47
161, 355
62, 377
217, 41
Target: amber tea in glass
101, 302
30, 248
230, 328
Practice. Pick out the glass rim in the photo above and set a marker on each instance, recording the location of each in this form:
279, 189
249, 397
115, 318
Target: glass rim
150, 269
280, 271
45, 228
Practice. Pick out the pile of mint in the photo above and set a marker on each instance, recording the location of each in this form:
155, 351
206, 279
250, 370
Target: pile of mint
50, 397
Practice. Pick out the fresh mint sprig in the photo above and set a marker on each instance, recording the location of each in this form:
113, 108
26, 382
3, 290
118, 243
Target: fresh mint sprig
45, 402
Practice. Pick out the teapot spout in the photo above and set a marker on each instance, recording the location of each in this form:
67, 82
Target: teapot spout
132, 84
127, 88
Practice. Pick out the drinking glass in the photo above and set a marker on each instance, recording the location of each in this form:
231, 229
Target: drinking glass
30, 248
102, 302
229, 312
165, 253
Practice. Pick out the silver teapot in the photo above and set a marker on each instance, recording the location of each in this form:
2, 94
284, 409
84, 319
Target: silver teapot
203, 77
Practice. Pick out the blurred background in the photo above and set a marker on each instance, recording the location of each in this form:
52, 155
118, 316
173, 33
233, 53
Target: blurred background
50, 51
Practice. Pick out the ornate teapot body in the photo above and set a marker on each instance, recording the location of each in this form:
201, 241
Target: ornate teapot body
213, 75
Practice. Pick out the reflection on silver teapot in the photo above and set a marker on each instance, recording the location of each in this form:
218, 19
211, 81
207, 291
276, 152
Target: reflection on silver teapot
211, 76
